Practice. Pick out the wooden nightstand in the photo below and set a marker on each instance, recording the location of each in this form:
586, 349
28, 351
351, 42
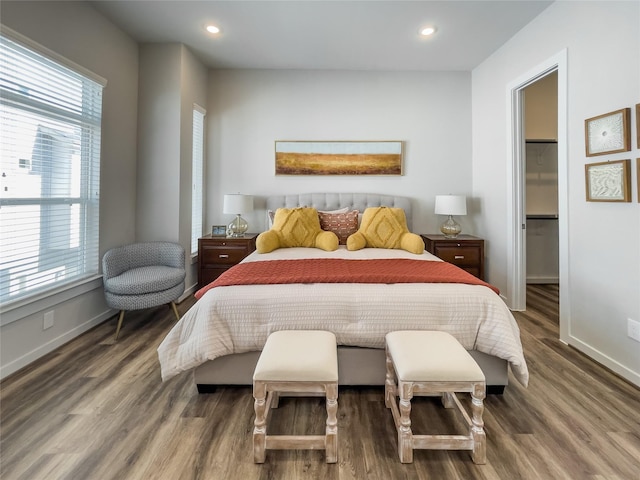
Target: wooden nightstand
217, 254
465, 251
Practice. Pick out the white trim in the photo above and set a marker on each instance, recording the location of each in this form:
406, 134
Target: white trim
33, 45
607, 361
516, 238
200, 110
35, 354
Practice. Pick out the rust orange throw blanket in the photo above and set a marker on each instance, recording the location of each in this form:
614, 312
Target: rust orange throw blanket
334, 270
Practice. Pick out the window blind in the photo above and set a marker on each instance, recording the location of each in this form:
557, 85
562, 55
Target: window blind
197, 177
50, 126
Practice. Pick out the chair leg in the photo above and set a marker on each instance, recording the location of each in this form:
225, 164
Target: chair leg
175, 310
120, 318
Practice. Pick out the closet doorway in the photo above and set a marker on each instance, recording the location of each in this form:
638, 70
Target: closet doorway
516, 185
541, 180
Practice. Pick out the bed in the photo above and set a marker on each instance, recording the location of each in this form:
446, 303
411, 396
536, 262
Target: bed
221, 336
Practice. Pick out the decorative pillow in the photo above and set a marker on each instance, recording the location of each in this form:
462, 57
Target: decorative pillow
272, 213
385, 227
296, 227
342, 224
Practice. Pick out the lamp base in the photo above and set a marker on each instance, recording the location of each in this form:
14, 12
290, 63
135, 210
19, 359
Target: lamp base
450, 228
238, 227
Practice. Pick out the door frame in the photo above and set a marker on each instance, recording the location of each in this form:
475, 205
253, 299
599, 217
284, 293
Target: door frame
516, 172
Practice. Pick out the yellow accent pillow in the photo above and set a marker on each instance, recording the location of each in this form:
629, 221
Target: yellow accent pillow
296, 227
385, 227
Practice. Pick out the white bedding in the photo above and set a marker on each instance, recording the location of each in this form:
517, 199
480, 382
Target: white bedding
238, 319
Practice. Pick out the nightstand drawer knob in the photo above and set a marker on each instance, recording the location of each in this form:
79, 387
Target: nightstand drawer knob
223, 255
459, 257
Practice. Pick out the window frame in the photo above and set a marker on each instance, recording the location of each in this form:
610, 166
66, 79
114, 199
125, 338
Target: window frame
15, 309
197, 213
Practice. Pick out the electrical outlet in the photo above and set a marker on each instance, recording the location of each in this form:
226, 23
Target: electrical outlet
48, 320
633, 329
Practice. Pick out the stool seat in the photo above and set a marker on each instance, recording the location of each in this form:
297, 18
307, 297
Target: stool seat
296, 362
298, 356
431, 356
433, 363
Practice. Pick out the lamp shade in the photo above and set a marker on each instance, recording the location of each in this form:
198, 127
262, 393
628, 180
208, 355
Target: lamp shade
236, 203
451, 205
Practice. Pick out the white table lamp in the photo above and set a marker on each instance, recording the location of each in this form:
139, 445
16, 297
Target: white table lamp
451, 205
237, 204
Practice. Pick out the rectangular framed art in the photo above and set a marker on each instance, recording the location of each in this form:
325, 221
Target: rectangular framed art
608, 181
338, 158
608, 133
637, 125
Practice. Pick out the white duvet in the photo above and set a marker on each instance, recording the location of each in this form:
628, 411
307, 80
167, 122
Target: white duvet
238, 319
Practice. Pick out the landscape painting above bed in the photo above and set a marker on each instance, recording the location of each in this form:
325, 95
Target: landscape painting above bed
221, 336
338, 158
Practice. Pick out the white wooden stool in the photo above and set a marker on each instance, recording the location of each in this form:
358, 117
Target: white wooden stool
296, 361
428, 363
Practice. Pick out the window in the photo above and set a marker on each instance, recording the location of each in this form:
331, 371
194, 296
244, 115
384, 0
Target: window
50, 117
197, 177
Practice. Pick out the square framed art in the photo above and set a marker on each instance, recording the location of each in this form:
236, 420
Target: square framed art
608, 181
608, 133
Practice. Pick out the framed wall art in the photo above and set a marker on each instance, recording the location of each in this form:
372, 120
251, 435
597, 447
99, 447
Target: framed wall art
608, 133
608, 181
338, 158
637, 125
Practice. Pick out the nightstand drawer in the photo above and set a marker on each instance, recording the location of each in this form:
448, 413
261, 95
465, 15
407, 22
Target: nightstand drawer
460, 256
223, 254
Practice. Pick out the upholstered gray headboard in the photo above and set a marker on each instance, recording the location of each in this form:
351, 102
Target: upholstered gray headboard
334, 201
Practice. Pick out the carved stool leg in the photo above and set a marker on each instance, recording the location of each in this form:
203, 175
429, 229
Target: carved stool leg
479, 453
260, 423
405, 444
389, 383
331, 430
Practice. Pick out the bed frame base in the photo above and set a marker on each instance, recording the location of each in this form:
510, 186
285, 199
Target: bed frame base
356, 367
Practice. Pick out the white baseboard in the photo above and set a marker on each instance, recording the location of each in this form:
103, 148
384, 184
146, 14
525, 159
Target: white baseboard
610, 363
188, 292
42, 350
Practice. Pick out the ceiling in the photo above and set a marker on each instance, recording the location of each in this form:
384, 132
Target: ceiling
329, 34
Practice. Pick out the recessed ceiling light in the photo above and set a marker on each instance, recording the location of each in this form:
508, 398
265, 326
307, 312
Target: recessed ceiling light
212, 29
426, 31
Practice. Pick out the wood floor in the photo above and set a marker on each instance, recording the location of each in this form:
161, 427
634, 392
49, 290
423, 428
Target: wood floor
95, 409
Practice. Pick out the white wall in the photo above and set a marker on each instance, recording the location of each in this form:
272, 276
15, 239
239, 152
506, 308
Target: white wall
171, 81
604, 238
249, 109
76, 31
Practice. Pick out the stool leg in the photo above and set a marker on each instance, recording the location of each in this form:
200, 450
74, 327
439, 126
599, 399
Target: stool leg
331, 430
479, 453
405, 444
447, 400
260, 422
389, 383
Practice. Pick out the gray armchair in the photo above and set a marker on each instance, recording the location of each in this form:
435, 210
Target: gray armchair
143, 275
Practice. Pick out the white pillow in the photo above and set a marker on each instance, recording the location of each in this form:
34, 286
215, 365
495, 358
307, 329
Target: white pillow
272, 213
